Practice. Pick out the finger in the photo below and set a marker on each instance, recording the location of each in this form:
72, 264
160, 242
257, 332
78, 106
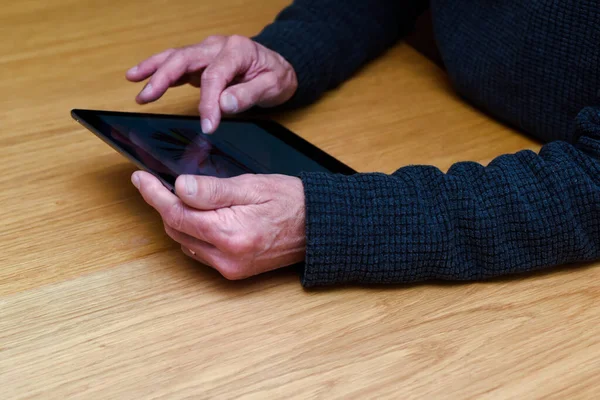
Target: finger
175, 70
209, 193
201, 225
265, 91
154, 192
148, 66
202, 249
169, 73
233, 60
240, 97
195, 255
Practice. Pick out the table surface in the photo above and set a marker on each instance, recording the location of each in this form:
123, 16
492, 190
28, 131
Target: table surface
97, 302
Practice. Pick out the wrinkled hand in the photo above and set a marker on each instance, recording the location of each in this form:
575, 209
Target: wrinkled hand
234, 72
241, 226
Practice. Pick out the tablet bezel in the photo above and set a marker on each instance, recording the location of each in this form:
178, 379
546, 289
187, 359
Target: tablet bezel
90, 120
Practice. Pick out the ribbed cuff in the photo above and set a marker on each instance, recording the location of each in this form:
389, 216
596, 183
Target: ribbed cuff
353, 226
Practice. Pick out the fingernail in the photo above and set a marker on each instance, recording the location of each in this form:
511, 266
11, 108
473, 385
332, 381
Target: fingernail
147, 90
133, 70
135, 179
206, 126
191, 187
229, 103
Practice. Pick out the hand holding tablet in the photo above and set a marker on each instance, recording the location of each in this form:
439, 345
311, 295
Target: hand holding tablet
231, 199
241, 226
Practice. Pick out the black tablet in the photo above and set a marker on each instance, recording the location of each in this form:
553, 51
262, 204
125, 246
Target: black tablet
171, 145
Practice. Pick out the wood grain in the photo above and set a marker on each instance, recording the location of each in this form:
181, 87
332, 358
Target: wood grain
97, 302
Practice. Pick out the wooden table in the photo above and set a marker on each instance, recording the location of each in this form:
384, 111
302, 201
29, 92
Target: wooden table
97, 302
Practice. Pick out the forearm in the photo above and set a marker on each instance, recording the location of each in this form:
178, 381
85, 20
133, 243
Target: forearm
522, 212
326, 41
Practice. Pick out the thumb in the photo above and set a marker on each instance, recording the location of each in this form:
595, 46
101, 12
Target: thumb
209, 193
264, 90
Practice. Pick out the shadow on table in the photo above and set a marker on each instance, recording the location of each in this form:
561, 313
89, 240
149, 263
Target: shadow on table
520, 277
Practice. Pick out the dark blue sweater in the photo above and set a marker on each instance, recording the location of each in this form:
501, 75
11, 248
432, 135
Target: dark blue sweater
533, 64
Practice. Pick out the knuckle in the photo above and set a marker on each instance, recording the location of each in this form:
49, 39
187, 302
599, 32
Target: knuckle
218, 238
190, 53
272, 82
164, 56
212, 74
175, 216
238, 41
245, 96
177, 65
260, 188
240, 244
168, 52
205, 107
214, 191
212, 39
255, 187
231, 270
179, 56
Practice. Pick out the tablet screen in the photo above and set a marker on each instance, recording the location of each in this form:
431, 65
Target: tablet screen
170, 146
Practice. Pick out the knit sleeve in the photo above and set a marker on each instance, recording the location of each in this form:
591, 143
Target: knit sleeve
522, 212
326, 41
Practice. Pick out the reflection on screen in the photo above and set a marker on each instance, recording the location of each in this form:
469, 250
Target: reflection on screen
174, 147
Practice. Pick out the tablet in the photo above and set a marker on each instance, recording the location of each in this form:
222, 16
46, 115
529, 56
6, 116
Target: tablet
171, 145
